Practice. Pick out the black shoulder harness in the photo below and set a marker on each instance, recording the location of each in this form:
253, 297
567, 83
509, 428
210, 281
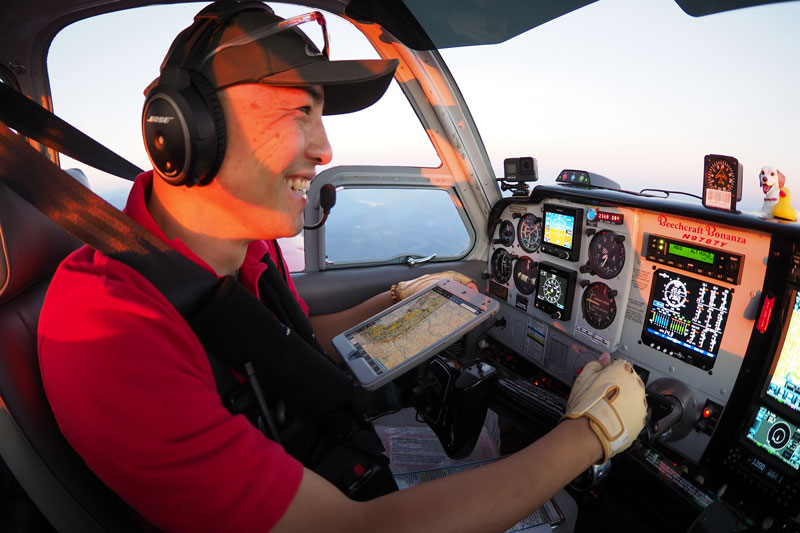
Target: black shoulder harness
310, 398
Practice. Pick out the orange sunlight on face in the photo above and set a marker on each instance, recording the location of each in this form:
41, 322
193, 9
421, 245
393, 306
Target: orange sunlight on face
275, 140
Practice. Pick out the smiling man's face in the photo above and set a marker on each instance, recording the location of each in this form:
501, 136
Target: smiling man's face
275, 140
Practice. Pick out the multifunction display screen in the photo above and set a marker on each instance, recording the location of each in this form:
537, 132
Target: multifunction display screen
776, 436
686, 317
784, 383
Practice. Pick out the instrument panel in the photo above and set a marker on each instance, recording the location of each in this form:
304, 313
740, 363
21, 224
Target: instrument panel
669, 293
687, 298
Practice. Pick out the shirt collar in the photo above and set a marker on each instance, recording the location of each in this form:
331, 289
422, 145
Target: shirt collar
136, 208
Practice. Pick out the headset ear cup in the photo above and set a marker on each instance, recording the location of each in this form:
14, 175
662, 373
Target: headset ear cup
166, 134
216, 117
184, 130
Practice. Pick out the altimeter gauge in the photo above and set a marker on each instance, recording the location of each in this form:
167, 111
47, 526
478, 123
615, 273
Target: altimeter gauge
607, 254
722, 182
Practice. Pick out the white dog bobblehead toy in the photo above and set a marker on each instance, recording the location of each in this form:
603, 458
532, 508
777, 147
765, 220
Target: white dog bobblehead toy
772, 181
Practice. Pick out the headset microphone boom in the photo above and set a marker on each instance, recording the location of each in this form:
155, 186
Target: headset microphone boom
327, 199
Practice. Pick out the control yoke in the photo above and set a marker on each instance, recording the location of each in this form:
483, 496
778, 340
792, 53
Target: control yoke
671, 411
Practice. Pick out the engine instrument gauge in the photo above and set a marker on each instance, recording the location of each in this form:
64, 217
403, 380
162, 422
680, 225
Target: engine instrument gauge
529, 232
525, 272
506, 234
607, 254
599, 306
501, 265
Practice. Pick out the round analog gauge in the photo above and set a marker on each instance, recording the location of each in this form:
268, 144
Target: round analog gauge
525, 271
599, 306
551, 290
501, 265
720, 175
607, 254
506, 233
529, 232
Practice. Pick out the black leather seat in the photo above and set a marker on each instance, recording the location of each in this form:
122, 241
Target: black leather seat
69, 495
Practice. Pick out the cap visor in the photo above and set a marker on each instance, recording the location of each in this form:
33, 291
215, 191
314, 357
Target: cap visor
349, 85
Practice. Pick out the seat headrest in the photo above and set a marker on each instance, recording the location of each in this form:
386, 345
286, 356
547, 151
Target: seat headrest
31, 244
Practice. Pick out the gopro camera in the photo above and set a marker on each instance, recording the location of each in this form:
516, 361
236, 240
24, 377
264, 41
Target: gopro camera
521, 169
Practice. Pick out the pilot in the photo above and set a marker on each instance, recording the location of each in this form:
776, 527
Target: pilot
133, 388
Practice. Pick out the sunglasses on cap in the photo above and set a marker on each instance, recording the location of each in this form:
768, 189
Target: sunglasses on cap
272, 29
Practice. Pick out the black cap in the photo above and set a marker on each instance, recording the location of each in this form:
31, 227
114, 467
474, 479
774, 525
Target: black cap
228, 49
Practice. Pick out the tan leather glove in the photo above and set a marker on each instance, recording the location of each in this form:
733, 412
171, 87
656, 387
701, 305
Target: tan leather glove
613, 399
404, 289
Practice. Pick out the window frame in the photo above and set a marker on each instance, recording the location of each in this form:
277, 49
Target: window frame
385, 178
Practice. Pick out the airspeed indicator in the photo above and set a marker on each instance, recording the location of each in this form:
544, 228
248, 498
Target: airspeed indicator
529, 232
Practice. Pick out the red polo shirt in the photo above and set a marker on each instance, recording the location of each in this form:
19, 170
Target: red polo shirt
133, 392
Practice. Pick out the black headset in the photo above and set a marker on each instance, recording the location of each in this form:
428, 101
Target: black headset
182, 121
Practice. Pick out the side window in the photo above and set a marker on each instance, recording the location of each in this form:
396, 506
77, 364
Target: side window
99, 68
391, 225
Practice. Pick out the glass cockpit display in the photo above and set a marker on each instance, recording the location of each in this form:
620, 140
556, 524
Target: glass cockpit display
559, 229
776, 436
555, 289
784, 382
561, 234
686, 317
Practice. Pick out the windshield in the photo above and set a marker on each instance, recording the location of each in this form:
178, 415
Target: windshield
640, 92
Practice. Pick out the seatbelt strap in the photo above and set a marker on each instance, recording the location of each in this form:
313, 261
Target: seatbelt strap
36, 122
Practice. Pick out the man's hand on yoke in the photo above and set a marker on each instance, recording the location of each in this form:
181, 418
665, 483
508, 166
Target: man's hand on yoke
404, 289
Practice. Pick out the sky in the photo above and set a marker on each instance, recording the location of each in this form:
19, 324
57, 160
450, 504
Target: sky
636, 91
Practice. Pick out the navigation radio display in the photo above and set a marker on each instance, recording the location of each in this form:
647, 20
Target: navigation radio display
784, 382
686, 317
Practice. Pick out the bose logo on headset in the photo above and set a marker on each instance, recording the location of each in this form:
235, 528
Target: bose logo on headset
160, 120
